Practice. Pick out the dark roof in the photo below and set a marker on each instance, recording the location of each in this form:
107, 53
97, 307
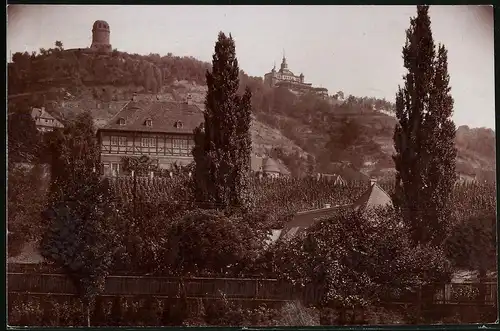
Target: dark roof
164, 115
305, 219
374, 197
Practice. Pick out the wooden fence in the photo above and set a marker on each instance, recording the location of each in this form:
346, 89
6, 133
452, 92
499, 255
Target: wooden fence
231, 288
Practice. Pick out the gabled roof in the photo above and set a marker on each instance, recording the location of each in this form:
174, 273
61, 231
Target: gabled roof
374, 197
163, 114
41, 113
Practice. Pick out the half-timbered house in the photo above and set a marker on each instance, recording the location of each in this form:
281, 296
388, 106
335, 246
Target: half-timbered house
163, 131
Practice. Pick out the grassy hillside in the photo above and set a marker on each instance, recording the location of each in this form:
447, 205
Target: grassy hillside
319, 132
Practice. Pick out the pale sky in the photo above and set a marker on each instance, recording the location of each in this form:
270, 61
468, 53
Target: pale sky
356, 49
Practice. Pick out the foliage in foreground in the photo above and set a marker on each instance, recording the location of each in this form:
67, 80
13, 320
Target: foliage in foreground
207, 242
359, 259
144, 311
84, 236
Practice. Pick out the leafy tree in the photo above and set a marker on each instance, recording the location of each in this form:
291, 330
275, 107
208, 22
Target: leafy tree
223, 144
358, 259
59, 45
84, 236
27, 193
207, 242
472, 243
424, 136
23, 138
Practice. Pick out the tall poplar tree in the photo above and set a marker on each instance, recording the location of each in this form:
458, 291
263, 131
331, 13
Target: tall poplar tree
223, 144
424, 136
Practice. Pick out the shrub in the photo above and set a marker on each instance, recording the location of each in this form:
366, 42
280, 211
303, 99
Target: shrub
359, 258
206, 242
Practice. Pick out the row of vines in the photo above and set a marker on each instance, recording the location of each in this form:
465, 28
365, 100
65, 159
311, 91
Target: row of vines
289, 195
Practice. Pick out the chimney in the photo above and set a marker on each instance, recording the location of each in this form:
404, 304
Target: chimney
188, 99
328, 205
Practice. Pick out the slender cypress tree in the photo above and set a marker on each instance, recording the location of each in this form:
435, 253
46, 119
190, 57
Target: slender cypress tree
223, 143
424, 136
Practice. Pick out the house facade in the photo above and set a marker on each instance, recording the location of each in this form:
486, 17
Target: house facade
163, 131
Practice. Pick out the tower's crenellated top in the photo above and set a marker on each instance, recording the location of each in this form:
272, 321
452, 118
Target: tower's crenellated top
99, 24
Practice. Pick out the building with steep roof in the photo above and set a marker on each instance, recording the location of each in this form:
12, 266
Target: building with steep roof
162, 131
44, 121
268, 167
286, 78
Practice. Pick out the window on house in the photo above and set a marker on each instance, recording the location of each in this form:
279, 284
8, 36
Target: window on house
149, 122
178, 124
181, 146
121, 121
122, 141
148, 142
114, 140
176, 143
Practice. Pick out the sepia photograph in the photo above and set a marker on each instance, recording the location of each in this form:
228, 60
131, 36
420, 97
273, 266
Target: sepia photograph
250, 166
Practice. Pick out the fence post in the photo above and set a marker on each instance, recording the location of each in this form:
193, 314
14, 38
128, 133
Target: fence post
419, 304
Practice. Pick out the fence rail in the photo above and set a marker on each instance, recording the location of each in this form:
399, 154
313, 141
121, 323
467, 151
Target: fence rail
231, 288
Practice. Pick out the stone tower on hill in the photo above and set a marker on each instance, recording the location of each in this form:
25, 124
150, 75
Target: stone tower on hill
100, 37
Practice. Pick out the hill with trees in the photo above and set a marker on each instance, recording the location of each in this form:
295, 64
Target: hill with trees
306, 131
